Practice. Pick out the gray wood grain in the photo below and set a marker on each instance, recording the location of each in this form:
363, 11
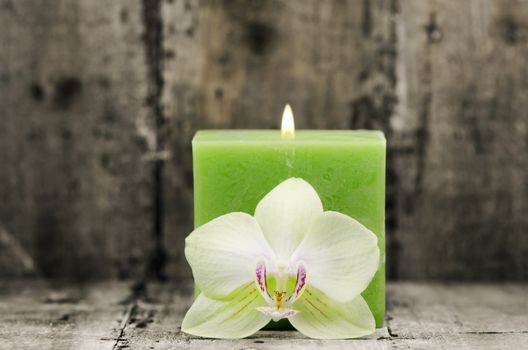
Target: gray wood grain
435, 310
462, 122
99, 102
74, 189
35, 314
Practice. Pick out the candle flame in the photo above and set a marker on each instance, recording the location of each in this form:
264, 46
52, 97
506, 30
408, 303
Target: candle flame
287, 125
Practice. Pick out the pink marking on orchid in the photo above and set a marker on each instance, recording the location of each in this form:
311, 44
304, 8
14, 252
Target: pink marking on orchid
301, 279
300, 282
261, 279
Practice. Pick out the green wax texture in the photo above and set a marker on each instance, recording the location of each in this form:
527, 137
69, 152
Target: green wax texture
235, 169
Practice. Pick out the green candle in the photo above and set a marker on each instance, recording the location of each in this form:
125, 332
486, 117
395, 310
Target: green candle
234, 169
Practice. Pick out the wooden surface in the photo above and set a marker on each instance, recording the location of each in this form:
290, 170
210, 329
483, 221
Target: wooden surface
99, 102
463, 192
35, 314
75, 191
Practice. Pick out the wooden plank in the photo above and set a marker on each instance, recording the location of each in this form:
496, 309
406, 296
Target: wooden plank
466, 342
36, 315
74, 189
436, 311
461, 126
235, 64
419, 316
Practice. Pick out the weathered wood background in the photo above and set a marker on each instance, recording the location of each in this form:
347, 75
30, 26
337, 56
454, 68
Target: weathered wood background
99, 101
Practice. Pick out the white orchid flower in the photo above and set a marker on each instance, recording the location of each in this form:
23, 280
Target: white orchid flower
291, 260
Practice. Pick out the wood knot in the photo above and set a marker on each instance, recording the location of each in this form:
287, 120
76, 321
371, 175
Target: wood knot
259, 37
509, 29
66, 90
434, 34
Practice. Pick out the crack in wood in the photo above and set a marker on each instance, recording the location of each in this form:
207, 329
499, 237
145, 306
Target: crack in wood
153, 41
121, 340
422, 132
392, 175
393, 335
375, 107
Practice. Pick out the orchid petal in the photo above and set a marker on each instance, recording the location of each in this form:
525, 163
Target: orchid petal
235, 318
323, 318
341, 255
223, 253
286, 213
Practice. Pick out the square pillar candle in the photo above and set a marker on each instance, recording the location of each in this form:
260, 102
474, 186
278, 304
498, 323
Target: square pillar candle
235, 169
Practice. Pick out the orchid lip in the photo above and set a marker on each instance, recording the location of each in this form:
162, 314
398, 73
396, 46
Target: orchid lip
279, 300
